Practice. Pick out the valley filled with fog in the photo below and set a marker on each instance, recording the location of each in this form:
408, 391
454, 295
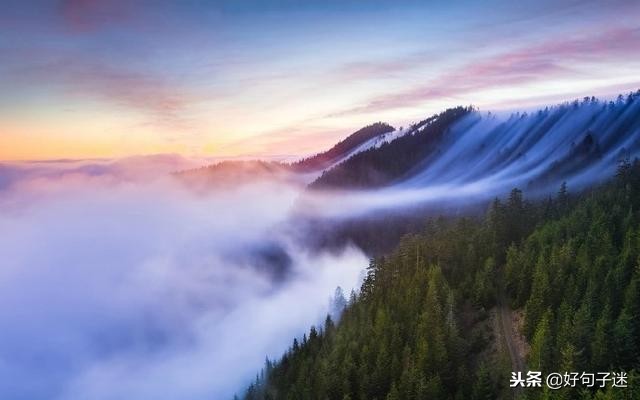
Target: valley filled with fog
125, 279
116, 288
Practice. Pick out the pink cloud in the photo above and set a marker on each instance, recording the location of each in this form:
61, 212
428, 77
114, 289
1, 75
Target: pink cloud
162, 98
524, 65
165, 101
81, 16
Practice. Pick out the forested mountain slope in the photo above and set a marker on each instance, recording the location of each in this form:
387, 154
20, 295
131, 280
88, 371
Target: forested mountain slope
455, 162
233, 173
419, 327
579, 142
239, 171
344, 148
381, 165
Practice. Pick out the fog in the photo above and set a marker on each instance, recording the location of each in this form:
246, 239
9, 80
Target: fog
121, 289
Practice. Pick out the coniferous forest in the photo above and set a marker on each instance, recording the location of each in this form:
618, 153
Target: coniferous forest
429, 319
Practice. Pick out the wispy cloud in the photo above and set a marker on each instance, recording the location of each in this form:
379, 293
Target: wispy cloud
82, 16
528, 64
176, 74
163, 100
376, 69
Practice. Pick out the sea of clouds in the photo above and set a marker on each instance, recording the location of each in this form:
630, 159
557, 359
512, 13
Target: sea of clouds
117, 287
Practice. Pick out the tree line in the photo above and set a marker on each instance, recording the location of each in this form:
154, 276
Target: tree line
419, 328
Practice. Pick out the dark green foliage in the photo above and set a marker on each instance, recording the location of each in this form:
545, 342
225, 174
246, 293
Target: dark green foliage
379, 166
482, 389
416, 330
400, 339
343, 147
585, 266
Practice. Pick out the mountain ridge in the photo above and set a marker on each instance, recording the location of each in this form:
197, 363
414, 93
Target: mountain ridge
576, 141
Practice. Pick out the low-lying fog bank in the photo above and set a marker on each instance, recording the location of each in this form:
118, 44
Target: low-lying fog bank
116, 290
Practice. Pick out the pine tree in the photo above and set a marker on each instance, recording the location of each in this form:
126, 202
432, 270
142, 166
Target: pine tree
393, 394
483, 386
601, 347
625, 340
563, 198
542, 345
537, 303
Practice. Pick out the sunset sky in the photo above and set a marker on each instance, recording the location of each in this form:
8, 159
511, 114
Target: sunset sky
83, 78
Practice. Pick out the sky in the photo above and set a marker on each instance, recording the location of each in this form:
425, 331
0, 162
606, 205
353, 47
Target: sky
88, 79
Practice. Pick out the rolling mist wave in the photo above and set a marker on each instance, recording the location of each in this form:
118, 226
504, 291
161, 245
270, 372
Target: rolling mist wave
483, 155
579, 142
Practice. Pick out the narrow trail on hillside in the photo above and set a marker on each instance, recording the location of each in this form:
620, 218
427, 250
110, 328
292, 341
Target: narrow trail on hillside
505, 321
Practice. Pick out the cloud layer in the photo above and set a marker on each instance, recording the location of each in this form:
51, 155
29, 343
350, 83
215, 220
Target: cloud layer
120, 290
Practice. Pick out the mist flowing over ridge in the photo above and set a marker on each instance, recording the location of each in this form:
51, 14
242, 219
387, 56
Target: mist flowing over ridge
579, 142
464, 155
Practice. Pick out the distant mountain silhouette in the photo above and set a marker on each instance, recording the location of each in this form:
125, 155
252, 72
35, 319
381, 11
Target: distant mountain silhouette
344, 148
381, 165
235, 171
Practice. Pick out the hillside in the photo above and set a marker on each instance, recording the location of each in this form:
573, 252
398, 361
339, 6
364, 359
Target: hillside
233, 173
345, 148
242, 171
579, 142
382, 165
421, 325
